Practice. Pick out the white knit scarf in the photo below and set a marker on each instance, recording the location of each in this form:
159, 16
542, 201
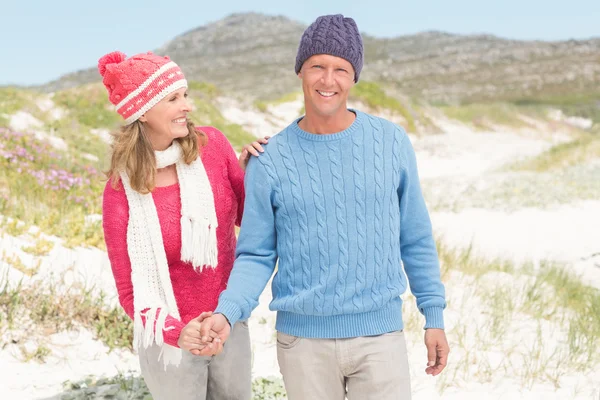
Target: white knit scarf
152, 288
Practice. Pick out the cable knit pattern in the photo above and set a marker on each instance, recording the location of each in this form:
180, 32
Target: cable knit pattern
353, 200
194, 292
321, 215
285, 224
299, 207
358, 166
394, 222
378, 214
335, 35
342, 229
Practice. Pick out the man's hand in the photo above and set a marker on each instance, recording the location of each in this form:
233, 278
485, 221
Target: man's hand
215, 326
189, 338
437, 351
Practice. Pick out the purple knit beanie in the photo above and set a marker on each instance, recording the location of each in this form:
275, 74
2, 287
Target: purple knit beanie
333, 35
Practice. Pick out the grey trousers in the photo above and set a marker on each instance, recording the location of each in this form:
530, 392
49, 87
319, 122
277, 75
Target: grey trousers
362, 368
223, 377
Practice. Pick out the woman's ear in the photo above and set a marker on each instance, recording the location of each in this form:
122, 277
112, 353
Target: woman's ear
143, 118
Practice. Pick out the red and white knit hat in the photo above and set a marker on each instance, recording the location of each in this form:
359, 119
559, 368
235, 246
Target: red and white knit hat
137, 83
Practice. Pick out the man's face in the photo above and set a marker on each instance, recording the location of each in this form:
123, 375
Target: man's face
326, 82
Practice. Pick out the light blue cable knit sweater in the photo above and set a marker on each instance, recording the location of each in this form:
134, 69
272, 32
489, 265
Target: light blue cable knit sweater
341, 213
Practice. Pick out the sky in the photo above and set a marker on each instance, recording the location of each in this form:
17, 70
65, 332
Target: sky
42, 40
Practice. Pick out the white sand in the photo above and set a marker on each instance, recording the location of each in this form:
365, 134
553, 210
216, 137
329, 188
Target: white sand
75, 355
568, 234
258, 123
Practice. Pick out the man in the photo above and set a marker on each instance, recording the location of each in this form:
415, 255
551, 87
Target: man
336, 199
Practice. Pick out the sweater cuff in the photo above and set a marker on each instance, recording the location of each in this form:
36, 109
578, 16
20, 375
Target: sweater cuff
434, 317
230, 310
172, 331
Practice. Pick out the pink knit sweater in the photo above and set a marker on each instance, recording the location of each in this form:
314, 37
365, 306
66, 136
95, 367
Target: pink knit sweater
194, 292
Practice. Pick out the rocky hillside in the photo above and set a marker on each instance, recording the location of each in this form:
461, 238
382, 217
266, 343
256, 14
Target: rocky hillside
253, 55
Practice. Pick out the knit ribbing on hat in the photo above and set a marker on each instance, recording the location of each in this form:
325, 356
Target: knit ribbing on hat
333, 35
182, 83
165, 80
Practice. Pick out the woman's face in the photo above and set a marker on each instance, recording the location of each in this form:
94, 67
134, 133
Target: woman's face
167, 120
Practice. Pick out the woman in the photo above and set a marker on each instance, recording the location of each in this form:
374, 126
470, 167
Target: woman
174, 195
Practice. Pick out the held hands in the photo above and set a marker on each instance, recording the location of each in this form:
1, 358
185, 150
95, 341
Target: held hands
189, 338
205, 334
215, 329
252, 149
437, 351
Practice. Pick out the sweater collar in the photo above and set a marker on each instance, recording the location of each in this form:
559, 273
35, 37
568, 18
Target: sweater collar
358, 121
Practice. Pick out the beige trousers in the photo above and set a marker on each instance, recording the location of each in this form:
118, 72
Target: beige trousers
362, 368
223, 377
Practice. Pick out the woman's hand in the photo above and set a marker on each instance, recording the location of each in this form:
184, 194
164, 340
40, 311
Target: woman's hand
190, 338
252, 149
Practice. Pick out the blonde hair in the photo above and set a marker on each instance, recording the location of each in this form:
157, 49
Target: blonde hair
133, 153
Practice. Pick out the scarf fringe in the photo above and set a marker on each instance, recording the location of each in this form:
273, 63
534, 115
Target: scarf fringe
212, 249
138, 329
160, 324
202, 251
152, 333
148, 332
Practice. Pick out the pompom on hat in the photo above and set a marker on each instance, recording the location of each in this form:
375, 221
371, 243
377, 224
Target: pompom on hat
137, 83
